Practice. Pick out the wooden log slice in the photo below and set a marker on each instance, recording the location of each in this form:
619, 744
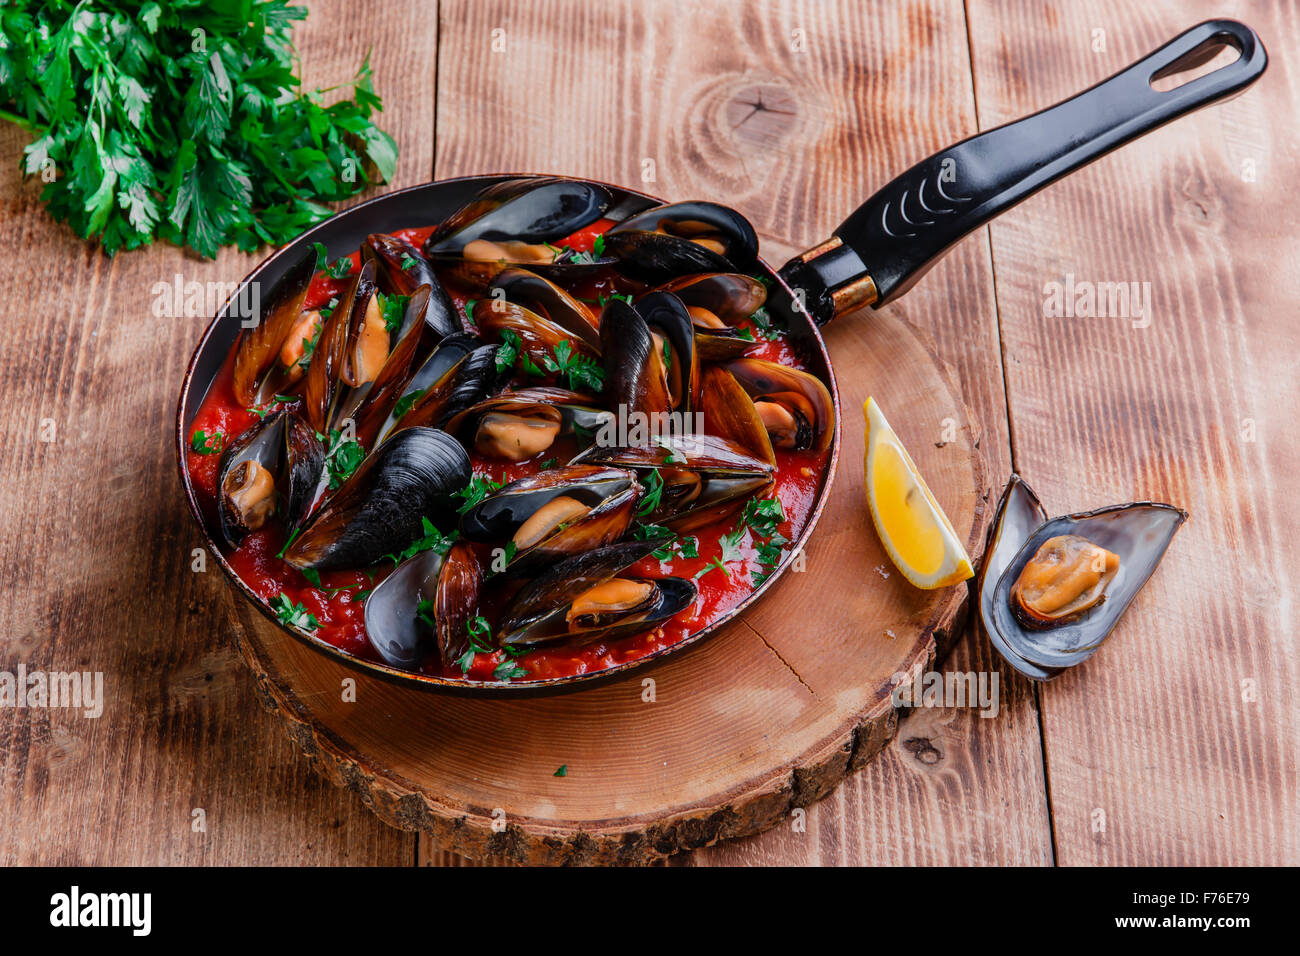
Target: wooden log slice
722, 740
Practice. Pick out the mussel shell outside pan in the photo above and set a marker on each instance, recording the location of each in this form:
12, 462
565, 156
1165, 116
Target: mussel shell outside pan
1139, 533
415, 207
1019, 514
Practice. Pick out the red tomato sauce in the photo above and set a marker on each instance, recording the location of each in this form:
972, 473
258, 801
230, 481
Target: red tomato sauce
338, 605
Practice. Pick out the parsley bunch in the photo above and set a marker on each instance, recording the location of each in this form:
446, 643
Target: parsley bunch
183, 121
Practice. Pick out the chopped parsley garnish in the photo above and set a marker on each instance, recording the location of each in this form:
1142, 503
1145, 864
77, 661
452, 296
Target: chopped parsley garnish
469, 312
508, 351
549, 464
393, 308
294, 615
730, 544
763, 515
424, 612
508, 670
674, 547
340, 268
405, 403
206, 444
480, 635
584, 372
433, 540
409, 262
343, 458
479, 487
562, 772
292, 535
309, 345
654, 492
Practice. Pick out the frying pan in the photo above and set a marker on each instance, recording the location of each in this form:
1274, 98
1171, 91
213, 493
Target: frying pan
872, 258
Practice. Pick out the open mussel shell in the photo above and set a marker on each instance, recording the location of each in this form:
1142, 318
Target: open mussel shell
555, 513
544, 298
248, 478
380, 509
1019, 514
538, 335
651, 366
259, 346
668, 241
452, 585
368, 404
323, 382
523, 423
716, 301
539, 613
795, 406
1138, 533
516, 222
705, 478
401, 269
437, 370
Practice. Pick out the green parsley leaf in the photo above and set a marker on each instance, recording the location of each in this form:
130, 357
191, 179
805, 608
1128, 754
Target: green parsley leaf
206, 444
562, 772
508, 670
294, 615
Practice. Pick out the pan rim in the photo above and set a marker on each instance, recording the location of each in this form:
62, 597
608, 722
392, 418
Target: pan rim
484, 689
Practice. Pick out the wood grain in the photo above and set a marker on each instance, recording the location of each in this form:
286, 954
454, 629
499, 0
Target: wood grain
850, 94
1175, 743
95, 546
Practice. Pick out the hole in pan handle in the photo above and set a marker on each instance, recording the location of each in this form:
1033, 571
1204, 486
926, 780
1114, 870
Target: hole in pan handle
895, 236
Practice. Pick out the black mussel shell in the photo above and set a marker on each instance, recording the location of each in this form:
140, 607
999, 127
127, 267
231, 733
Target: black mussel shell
392, 623
626, 346
263, 442
801, 393
389, 253
1139, 533
1019, 514
435, 372
304, 462
380, 509
731, 297
655, 245
528, 210
541, 296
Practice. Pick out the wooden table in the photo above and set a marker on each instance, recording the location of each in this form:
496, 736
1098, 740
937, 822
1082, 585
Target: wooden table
1176, 744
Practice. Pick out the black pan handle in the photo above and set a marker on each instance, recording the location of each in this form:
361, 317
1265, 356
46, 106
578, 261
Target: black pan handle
895, 236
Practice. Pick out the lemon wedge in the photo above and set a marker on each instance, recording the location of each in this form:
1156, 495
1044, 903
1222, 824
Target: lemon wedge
916, 533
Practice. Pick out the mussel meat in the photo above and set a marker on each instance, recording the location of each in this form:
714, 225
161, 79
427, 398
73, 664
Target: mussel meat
260, 345
716, 301
523, 423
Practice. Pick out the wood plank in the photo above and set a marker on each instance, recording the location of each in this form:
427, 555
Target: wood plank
860, 92
1175, 744
95, 545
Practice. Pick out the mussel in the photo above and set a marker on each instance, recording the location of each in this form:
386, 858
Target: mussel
651, 367
668, 241
260, 345
380, 509
437, 371
523, 423
349, 347
542, 297
794, 405
703, 478
424, 588
368, 403
555, 513
716, 301
516, 222
274, 466
586, 599
1051, 591
401, 269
